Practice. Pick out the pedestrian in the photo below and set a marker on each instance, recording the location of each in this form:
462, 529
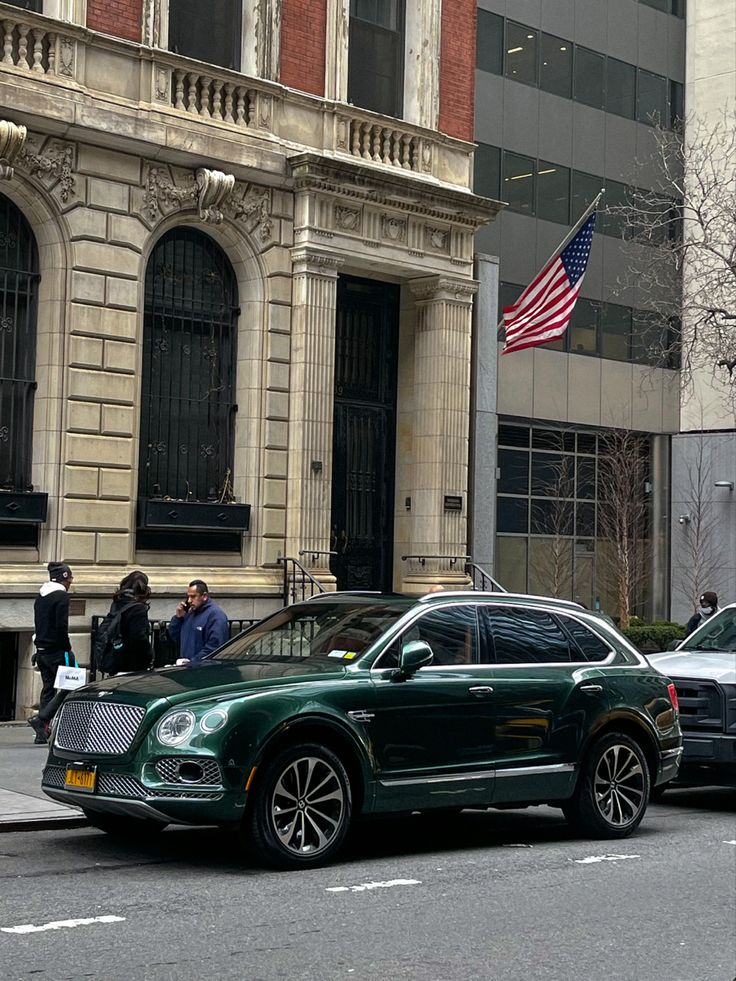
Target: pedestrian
708, 606
199, 624
130, 601
53, 647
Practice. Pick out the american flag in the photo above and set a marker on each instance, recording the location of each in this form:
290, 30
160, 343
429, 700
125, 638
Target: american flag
544, 309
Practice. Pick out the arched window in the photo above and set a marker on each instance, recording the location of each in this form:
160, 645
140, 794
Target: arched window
19, 280
189, 360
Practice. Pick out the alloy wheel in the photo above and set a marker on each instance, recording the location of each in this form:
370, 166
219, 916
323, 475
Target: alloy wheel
307, 806
619, 785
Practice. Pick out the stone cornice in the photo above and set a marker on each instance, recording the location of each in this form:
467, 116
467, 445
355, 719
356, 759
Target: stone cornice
443, 288
306, 259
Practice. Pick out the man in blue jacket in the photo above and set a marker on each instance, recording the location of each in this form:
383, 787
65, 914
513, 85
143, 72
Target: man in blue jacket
199, 624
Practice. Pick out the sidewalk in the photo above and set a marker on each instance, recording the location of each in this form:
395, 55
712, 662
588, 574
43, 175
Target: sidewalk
23, 805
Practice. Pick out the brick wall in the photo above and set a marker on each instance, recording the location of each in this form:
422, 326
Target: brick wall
121, 18
457, 68
303, 27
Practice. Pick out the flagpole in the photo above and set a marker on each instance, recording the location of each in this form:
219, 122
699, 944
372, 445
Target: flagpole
568, 238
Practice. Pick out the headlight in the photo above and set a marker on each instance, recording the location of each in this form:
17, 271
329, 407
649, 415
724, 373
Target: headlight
175, 727
213, 721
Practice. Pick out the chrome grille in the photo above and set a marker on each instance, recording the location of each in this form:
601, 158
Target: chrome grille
701, 705
85, 726
119, 785
53, 776
122, 785
186, 794
168, 770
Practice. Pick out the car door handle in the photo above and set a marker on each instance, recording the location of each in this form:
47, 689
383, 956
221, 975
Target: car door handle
592, 689
480, 690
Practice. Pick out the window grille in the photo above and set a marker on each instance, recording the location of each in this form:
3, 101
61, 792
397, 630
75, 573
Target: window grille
19, 280
189, 362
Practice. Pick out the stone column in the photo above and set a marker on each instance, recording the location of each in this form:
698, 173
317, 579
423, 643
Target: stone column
336, 50
441, 427
309, 488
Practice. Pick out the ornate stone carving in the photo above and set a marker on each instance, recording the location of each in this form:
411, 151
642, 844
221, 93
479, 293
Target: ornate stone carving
54, 160
162, 81
161, 194
348, 219
65, 65
443, 288
251, 205
436, 238
394, 229
152, 23
12, 138
341, 134
214, 187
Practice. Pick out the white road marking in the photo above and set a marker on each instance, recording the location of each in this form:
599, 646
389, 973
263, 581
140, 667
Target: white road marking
61, 924
592, 859
517, 846
729, 842
365, 886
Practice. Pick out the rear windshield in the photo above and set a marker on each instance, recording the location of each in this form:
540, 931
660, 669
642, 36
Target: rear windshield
716, 634
339, 630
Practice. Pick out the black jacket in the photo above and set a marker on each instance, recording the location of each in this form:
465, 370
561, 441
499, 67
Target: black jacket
696, 620
51, 615
136, 652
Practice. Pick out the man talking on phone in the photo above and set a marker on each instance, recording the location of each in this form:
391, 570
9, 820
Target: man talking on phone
199, 624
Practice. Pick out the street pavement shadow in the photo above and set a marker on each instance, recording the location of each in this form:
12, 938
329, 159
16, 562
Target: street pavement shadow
722, 799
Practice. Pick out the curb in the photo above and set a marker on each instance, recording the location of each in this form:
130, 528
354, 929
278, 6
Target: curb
43, 824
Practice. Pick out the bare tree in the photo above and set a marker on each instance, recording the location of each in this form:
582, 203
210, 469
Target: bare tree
624, 544
701, 545
551, 557
683, 234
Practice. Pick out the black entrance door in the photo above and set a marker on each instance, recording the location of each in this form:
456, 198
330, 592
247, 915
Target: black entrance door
363, 443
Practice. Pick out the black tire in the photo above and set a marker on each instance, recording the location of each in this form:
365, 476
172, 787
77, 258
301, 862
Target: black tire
302, 835
121, 826
612, 790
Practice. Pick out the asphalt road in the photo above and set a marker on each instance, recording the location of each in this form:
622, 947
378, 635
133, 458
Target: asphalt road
499, 895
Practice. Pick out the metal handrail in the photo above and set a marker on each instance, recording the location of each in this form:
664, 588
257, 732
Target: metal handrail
474, 571
452, 559
294, 566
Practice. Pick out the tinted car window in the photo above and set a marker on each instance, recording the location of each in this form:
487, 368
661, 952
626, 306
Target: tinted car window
451, 633
592, 647
526, 636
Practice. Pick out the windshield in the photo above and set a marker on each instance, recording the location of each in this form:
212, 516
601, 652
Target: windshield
338, 629
716, 634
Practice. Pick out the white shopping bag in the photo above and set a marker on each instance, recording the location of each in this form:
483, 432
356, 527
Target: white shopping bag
68, 679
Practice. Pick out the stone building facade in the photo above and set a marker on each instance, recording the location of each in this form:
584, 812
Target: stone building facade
145, 179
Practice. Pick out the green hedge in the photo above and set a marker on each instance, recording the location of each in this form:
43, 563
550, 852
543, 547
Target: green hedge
650, 637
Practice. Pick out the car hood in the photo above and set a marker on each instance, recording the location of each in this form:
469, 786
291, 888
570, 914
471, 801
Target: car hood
207, 678
711, 665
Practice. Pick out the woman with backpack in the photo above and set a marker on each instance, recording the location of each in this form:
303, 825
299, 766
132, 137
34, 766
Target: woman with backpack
125, 632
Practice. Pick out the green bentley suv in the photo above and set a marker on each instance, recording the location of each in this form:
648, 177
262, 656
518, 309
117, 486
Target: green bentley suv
365, 704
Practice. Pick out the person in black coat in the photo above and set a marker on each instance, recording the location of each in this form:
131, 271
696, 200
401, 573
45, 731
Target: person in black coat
134, 593
53, 646
708, 606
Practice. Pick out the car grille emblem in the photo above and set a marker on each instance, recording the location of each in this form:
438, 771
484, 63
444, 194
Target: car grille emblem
361, 715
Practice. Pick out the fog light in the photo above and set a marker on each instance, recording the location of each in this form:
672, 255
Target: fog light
190, 772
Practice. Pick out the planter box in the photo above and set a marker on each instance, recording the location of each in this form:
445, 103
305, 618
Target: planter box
192, 515
23, 508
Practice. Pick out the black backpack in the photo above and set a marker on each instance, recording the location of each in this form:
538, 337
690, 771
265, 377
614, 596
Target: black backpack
108, 642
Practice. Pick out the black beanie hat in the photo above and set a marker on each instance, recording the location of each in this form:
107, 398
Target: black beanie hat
59, 571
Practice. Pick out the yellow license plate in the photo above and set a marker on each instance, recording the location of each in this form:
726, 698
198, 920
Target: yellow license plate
81, 778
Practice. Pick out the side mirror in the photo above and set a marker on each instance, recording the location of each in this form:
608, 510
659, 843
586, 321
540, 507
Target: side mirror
414, 655
673, 645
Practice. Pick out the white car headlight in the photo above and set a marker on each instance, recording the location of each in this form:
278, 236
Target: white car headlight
213, 721
176, 727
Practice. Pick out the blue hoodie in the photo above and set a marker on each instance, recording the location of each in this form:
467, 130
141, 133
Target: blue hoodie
201, 631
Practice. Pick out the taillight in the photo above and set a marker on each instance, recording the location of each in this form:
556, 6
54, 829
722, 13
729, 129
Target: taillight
672, 692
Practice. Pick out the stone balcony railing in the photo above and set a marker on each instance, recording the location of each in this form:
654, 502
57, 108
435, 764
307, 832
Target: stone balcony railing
209, 101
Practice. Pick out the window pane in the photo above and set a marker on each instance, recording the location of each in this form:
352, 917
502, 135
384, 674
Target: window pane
556, 68
616, 197
518, 182
513, 515
521, 53
585, 478
451, 633
526, 636
552, 517
585, 187
585, 520
583, 328
508, 294
551, 566
652, 102
375, 77
677, 104
553, 439
35, 5
489, 43
589, 77
553, 192
591, 646
487, 180
553, 474
514, 467
615, 331
586, 444
219, 44
620, 88
650, 338
513, 435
